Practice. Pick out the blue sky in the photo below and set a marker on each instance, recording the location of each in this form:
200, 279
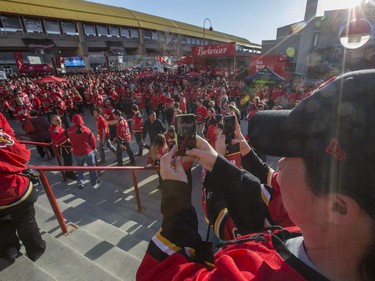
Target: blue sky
255, 20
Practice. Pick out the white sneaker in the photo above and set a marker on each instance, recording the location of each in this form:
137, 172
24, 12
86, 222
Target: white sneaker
97, 185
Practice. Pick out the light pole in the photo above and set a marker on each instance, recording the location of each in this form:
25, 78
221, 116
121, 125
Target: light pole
204, 29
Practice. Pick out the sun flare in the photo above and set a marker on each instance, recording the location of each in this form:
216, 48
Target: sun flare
338, 4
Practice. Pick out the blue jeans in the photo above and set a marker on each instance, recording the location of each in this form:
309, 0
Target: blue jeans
90, 161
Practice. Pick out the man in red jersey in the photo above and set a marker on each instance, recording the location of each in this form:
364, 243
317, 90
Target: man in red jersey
123, 139
107, 112
201, 114
60, 137
17, 198
103, 135
137, 128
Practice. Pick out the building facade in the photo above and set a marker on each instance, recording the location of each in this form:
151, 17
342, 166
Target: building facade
47, 31
323, 54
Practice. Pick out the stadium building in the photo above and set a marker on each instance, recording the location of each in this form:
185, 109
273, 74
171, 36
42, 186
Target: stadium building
76, 34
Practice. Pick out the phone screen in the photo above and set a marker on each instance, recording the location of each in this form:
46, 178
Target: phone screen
229, 128
185, 133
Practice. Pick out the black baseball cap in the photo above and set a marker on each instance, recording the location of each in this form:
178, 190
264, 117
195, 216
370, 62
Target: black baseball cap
337, 119
334, 126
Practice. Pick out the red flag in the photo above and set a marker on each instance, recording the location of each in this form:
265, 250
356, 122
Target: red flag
19, 59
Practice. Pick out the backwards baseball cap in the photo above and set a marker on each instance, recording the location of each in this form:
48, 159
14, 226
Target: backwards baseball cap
335, 127
218, 117
77, 119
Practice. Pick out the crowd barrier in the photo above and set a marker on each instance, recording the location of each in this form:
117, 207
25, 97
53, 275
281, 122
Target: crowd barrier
47, 187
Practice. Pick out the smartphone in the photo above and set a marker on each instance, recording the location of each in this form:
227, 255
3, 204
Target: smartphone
229, 127
186, 131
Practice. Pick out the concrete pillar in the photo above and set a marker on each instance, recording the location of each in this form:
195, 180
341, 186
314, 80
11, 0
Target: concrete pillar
83, 50
307, 37
141, 47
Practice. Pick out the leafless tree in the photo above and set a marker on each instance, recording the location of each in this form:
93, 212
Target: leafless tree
169, 43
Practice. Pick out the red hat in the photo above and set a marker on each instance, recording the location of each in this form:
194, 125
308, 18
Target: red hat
77, 119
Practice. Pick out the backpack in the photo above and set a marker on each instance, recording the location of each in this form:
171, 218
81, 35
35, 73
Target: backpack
29, 127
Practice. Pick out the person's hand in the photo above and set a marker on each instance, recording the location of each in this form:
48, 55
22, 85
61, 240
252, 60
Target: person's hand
204, 153
239, 138
220, 145
238, 134
171, 167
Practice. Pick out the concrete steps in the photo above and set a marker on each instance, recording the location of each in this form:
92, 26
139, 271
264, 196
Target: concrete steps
23, 270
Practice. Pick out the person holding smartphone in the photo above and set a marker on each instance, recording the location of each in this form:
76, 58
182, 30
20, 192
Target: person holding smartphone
326, 185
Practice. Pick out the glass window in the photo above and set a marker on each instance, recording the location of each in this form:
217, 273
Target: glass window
193, 41
102, 30
124, 32
89, 29
188, 40
114, 31
33, 25
155, 36
147, 34
52, 27
134, 33
69, 28
11, 24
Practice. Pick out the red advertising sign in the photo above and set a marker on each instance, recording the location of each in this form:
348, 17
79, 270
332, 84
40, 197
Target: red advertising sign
30, 68
214, 50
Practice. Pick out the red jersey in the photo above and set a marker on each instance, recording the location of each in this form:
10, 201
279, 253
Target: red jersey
21, 112
155, 100
35, 103
115, 96
211, 135
88, 96
107, 113
155, 160
137, 124
77, 98
60, 107
14, 188
201, 114
171, 141
183, 105
122, 130
98, 100
82, 140
47, 104
69, 102
139, 98
58, 135
102, 128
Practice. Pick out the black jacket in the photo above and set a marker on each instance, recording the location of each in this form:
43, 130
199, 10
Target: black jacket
152, 129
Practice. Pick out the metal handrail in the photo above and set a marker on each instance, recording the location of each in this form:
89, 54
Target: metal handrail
51, 197
55, 150
47, 187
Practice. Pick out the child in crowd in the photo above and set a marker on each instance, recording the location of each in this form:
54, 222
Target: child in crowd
158, 148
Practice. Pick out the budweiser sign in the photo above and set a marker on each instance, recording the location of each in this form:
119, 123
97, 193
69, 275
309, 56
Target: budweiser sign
226, 49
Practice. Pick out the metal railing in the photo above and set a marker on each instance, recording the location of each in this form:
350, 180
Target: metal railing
47, 187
